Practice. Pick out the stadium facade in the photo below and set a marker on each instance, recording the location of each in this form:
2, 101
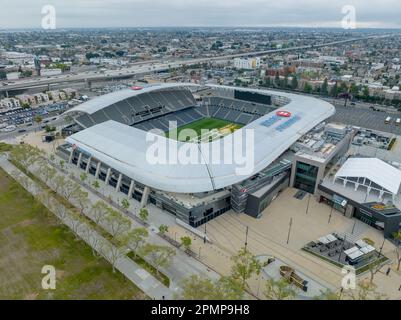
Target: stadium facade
109, 139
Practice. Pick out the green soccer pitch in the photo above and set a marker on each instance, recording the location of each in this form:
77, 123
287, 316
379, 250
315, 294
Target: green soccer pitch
221, 128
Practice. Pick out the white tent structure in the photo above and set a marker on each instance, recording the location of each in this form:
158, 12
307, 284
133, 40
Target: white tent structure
372, 174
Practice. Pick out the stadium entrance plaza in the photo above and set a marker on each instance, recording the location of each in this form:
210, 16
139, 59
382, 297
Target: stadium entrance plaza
267, 236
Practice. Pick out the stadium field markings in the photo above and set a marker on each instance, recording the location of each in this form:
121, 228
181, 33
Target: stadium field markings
218, 129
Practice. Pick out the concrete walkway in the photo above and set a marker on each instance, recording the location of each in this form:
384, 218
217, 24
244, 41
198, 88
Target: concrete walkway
140, 277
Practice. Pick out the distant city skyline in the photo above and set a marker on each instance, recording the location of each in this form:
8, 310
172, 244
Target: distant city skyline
200, 13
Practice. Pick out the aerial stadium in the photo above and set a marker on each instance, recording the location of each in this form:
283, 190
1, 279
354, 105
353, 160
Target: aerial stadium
108, 137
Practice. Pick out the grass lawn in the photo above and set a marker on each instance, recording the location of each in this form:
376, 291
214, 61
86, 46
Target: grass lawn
31, 238
208, 124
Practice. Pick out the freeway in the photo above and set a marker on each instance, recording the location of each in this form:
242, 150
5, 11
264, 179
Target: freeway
150, 67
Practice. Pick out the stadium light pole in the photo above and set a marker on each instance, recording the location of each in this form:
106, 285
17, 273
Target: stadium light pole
307, 206
331, 213
353, 228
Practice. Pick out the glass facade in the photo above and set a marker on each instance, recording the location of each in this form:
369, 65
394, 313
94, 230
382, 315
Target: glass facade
306, 177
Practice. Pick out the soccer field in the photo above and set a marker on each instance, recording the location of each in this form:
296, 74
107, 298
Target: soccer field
218, 128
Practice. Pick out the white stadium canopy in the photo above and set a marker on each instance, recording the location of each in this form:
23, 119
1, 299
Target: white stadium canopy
124, 148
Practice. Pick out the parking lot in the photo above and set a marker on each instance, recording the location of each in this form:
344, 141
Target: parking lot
25, 116
366, 118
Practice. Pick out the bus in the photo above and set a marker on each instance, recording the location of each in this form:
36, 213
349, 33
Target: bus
388, 120
398, 122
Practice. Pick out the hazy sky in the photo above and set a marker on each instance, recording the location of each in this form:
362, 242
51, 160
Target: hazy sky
133, 13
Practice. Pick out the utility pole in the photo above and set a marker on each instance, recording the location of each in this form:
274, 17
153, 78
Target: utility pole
289, 231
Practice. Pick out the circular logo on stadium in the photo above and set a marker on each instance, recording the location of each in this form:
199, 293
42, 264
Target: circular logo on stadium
284, 114
136, 88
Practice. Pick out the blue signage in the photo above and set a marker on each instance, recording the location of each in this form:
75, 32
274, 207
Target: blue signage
288, 123
272, 120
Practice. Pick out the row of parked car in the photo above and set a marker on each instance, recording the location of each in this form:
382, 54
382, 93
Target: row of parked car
11, 119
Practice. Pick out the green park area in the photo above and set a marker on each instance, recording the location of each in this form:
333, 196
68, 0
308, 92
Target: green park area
31, 237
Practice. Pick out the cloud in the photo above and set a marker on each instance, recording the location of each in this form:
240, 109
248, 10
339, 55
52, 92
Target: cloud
132, 13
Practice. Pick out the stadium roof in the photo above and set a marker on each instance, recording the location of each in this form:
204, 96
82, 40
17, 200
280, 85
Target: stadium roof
125, 148
101, 102
373, 169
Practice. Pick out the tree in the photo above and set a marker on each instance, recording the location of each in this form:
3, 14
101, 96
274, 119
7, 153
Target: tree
245, 266
68, 189
279, 290
365, 290
365, 92
25, 155
61, 212
308, 87
81, 198
277, 79
38, 119
163, 229
294, 83
186, 242
325, 87
88, 234
198, 288
354, 89
96, 184
118, 224
160, 256
98, 211
58, 183
62, 164
94, 241
144, 214
83, 176
334, 90
112, 253
47, 173
76, 222
397, 238
135, 239
125, 204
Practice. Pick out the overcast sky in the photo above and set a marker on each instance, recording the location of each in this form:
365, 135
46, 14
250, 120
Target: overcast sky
134, 13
